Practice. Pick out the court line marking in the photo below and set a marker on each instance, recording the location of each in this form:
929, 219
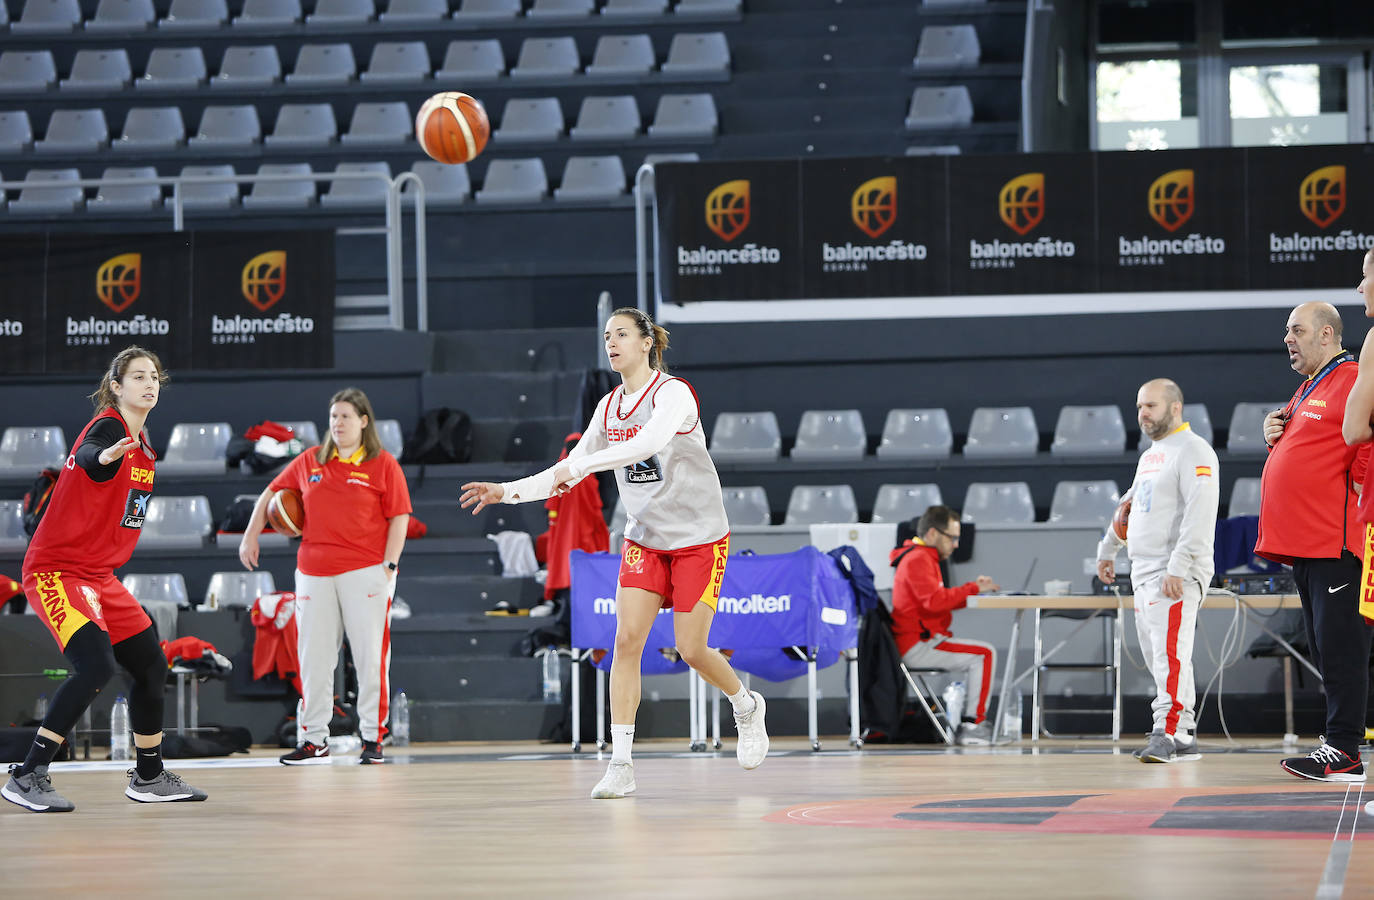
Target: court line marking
1332, 883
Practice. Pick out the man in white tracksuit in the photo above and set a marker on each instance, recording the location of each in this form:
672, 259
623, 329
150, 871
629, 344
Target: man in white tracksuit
1169, 539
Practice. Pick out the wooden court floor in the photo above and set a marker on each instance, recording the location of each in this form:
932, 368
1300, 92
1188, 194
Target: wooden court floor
513, 820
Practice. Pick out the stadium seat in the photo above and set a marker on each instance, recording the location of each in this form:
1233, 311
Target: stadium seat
173, 523
546, 58
227, 128
195, 14
934, 108
1198, 419
308, 126
165, 588
47, 17
606, 119
393, 440
27, 71
746, 506
339, 14
268, 15
514, 181
592, 178
935, 150
196, 448
25, 449
947, 47
98, 70
472, 61
813, 504
1246, 431
904, 502
1245, 498
380, 125
486, 12
706, 8
248, 68
990, 503
830, 434
295, 194
530, 120
746, 437
209, 196
1089, 431
227, 589
397, 62
445, 185
653, 159
121, 16
1002, 431
697, 56
415, 12
173, 68
561, 10
114, 197
622, 56
74, 131
633, 9
685, 117
1084, 503
16, 131
151, 128
916, 434
367, 193
44, 193
13, 537
324, 65
304, 429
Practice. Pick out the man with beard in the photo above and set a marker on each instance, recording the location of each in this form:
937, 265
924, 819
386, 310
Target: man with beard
1173, 514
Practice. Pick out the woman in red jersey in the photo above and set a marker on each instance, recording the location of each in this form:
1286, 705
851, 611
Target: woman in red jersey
357, 507
90, 528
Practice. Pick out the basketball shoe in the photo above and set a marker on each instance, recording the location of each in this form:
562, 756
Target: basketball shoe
974, 735
306, 754
34, 792
372, 753
752, 747
618, 782
1326, 763
165, 788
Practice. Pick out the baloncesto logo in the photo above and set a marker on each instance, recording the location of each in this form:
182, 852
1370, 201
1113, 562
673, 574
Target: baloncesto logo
262, 283
728, 211
118, 285
1021, 205
1322, 200
1170, 200
872, 210
119, 279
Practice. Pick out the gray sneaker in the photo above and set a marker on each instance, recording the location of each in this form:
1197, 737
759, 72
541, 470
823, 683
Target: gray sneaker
34, 792
1186, 750
971, 735
165, 788
1159, 749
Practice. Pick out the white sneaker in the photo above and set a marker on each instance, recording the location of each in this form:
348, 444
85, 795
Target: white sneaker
618, 782
752, 748
545, 608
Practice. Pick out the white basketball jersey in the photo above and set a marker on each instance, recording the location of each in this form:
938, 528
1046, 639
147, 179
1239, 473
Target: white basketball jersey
673, 498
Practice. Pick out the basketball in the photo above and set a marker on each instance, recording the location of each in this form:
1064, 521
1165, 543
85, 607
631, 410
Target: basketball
452, 127
286, 512
1121, 518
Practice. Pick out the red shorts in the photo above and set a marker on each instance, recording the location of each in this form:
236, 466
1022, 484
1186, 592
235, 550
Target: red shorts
66, 602
683, 578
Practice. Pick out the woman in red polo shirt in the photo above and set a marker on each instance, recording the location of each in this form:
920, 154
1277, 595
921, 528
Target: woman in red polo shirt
357, 506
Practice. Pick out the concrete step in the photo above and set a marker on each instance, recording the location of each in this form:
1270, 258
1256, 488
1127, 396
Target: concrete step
490, 395
458, 678
517, 349
438, 508
449, 594
480, 720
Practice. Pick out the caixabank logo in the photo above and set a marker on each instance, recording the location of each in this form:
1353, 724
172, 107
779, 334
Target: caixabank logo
262, 284
728, 212
1323, 198
1170, 201
873, 211
1022, 204
118, 284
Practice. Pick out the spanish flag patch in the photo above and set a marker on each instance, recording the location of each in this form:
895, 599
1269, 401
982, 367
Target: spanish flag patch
1202, 471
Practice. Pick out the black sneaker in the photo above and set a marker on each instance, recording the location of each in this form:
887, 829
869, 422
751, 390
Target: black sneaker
1326, 763
306, 754
372, 754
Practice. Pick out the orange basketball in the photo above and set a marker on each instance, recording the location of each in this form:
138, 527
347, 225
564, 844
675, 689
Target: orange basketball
286, 512
1121, 518
452, 127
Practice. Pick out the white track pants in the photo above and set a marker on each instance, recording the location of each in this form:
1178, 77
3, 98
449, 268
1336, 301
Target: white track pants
973, 660
1165, 628
358, 604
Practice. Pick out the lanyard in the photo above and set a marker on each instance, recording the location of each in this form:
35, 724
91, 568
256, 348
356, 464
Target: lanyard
1315, 380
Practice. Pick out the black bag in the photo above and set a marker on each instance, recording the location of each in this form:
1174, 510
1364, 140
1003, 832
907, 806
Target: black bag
37, 497
237, 514
207, 740
443, 435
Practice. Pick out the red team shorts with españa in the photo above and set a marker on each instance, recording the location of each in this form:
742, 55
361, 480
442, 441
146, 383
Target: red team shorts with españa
683, 577
65, 602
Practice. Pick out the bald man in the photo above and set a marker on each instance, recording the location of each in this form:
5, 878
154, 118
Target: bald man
1308, 500
1169, 539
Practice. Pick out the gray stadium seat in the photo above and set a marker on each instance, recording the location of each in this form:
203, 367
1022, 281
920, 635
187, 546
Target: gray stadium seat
340, 14
916, 434
1089, 431
1246, 431
561, 10
415, 12
305, 125
633, 9
27, 71
227, 589
176, 523
294, 194
904, 502
392, 438
685, 116
653, 159
74, 131
120, 16
947, 47
746, 506
472, 61
485, 12
697, 56
369, 193
304, 429
445, 185
386, 124
208, 196
195, 14
98, 70
746, 437
24, 449
114, 197
47, 17
622, 56
1198, 419
935, 108
196, 448
832, 434
4, 16
514, 181
248, 68
13, 537
151, 128
988, 503
547, 58
1002, 431
935, 150
16, 131
530, 120
1084, 503
173, 68
1245, 498
324, 65
165, 588
268, 15
398, 62
606, 119
48, 195
592, 178
812, 504
226, 128
706, 8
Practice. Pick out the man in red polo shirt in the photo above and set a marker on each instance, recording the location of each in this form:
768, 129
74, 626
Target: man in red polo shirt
1307, 519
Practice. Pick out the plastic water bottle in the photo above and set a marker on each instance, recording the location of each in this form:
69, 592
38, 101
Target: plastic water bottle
40, 708
954, 703
553, 680
119, 731
1011, 719
300, 727
400, 720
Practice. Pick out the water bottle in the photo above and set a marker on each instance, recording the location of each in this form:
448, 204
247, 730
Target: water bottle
400, 720
300, 728
954, 703
119, 731
40, 708
553, 681
1011, 719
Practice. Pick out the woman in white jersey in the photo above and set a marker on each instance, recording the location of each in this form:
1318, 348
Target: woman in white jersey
676, 534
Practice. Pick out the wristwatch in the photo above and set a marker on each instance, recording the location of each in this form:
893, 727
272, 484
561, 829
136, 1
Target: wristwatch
390, 565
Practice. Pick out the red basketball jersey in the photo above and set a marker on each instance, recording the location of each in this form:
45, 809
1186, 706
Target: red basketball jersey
91, 527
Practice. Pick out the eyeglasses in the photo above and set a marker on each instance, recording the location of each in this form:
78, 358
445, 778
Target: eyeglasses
952, 537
